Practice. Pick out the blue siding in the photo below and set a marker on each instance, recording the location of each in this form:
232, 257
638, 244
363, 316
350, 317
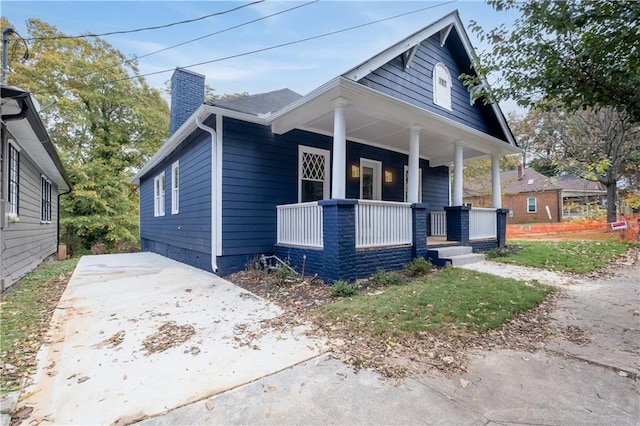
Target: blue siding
260, 171
415, 85
185, 236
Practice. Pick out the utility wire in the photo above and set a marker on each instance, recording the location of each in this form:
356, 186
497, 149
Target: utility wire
149, 28
264, 49
200, 38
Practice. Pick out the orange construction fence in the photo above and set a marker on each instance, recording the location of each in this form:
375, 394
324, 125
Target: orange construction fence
630, 233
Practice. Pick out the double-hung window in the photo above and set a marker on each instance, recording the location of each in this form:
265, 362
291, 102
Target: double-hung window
175, 188
14, 180
158, 195
532, 205
45, 200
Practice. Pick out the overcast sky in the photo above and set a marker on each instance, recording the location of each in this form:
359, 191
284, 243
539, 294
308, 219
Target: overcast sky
301, 67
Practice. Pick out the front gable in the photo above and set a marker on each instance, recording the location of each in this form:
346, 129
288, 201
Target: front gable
408, 75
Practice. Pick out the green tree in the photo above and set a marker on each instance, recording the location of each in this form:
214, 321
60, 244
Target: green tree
579, 53
574, 57
106, 122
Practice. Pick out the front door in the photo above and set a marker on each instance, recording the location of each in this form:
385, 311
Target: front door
370, 179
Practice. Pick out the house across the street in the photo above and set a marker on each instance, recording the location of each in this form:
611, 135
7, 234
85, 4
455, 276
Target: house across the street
31, 180
351, 177
532, 197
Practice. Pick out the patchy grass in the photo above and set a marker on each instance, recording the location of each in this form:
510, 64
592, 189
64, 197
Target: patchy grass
27, 307
449, 300
566, 256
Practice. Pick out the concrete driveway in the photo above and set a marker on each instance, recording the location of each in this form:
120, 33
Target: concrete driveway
95, 368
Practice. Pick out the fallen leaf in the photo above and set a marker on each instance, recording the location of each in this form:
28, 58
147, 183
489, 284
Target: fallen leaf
464, 383
209, 404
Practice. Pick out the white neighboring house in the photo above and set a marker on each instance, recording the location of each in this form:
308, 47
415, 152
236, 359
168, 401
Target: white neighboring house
31, 179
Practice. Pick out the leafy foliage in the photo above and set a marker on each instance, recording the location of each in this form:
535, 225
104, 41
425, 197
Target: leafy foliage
383, 278
580, 53
419, 266
343, 289
105, 121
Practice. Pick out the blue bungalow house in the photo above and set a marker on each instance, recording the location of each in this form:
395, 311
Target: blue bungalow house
351, 177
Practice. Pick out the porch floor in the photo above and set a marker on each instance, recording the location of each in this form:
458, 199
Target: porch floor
440, 241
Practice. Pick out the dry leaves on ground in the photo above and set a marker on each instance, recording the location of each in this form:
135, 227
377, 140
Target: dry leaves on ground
168, 336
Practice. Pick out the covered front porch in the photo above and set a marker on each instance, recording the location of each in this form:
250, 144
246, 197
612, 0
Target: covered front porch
346, 237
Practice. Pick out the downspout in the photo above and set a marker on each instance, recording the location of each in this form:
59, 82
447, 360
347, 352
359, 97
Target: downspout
58, 226
214, 185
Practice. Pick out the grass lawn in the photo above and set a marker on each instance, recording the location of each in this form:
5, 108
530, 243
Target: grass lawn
565, 256
26, 310
450, 299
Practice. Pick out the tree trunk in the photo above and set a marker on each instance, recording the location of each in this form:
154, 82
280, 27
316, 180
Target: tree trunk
612, 201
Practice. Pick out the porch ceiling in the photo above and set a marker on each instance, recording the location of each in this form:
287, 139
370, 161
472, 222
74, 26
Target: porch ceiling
374, 118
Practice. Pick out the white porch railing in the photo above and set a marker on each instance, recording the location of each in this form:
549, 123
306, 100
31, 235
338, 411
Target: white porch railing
482, 224
383, 223
438, 223
300, 224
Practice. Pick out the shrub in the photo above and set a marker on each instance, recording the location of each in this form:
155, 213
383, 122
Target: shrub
499, 252
419, 266
343, 289
387, 278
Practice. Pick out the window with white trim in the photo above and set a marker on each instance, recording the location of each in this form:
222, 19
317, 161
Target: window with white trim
442, 86
532, 205
158, 194
175, 188
406, 184
313, 174
14, 180
45, 200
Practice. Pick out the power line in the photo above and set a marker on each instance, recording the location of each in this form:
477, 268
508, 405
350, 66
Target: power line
264, 49
200, 38
157, 27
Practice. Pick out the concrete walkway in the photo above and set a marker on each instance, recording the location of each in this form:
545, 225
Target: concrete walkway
95, 369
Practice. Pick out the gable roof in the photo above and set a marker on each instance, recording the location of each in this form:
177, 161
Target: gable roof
531, 181
259, 104
407, 47
576, 183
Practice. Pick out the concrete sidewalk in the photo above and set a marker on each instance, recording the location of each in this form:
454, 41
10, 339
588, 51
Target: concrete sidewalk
95, 370
566, 384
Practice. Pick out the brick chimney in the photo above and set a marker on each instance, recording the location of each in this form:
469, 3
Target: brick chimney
187, 94
520, 171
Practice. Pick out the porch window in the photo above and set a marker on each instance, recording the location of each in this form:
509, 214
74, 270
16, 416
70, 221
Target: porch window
370, 179
406, 184
45, 200
14, 180
158, 195
313, 174
175, 188
532, 205
441, 86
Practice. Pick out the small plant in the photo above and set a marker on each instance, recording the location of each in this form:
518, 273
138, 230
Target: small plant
419, 266
283, 273
498, 252
343, 289
386, 279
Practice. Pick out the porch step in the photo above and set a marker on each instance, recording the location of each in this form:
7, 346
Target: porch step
455, 256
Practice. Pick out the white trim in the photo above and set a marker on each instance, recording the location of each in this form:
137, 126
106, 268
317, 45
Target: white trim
10, 208
535, 205
159, 199
45, 179
175, 188
441, 93
327, 169
218, 195
377, 177
407, 56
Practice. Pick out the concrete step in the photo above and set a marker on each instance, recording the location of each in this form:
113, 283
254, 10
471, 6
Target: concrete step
464, 259
443, 252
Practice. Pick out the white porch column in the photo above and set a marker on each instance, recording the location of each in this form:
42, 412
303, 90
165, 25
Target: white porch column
413, 186
495, 181
458, 167
339, 151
